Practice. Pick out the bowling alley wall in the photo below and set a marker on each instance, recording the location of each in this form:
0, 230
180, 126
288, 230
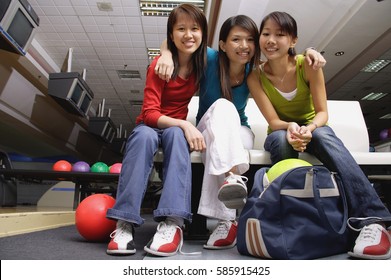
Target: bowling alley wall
33, 124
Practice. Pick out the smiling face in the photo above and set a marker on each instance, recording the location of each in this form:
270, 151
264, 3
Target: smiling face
239, 46
186, 35
274, 42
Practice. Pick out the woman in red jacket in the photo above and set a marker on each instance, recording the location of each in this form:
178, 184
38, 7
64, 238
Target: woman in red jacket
162, 122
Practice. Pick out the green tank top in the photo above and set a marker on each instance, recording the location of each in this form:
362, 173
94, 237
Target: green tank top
301, 108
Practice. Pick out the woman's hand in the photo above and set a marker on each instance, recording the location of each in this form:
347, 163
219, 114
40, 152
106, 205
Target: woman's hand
164, 67
193, 136
298, 136
314, 58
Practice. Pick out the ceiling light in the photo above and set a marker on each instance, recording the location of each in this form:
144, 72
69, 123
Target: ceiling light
129, 74
376, 65
104, 6
340, 53
386, 117
163, 8
374, 96
152, 53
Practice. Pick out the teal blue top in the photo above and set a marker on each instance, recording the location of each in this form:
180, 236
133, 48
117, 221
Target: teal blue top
210, 89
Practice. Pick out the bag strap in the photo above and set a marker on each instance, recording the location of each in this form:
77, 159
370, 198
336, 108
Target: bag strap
319, 204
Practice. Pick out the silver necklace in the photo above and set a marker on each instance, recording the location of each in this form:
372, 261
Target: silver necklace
282, 80
236, 81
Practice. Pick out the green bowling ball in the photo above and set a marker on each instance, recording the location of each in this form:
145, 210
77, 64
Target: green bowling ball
99, 167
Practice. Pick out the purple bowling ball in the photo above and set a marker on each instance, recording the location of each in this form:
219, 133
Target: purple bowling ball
383, 134
81, 166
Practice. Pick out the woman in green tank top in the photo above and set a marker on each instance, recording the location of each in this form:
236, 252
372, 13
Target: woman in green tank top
292, 97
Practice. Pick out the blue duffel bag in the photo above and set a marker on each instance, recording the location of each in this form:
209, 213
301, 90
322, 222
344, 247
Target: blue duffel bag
302, 214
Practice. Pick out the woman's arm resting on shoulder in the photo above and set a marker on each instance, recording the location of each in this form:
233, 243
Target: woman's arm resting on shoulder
165, 65
314, 58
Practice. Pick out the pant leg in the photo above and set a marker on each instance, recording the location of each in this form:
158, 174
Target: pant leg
224, 137
363, 201
221, 125
176, 194
137, 164
279, 147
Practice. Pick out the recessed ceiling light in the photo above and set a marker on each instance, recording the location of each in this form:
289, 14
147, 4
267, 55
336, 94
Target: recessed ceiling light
374, 96
104, 6
129, 74
386, 117
152, 53
162, 8
376, 65
339, 53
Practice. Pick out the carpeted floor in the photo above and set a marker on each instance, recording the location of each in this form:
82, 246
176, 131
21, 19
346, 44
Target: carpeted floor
65, 243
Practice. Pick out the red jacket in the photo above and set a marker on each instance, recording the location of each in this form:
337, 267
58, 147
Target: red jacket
165, 99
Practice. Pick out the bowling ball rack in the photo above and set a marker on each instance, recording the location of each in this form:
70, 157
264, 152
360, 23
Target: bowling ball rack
84, 181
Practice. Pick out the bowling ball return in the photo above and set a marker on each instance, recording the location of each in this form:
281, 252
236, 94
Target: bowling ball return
86, 183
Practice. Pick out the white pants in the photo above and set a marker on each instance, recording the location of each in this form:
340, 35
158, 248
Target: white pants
227, 142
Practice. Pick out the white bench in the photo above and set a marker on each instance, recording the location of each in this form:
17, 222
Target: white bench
345, 117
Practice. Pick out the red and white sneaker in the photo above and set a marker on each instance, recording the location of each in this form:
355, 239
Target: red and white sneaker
373, 243
233, 192
167, 240
223, 236
122, 240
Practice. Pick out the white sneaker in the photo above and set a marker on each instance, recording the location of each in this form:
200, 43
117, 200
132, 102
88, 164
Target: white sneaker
233, 192
223, 236
122, 240
373, 242
167, 240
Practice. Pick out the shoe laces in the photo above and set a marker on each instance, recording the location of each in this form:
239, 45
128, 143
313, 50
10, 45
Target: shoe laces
369, 233
236, 177
352, 219
222, 229
124, 231
166, 229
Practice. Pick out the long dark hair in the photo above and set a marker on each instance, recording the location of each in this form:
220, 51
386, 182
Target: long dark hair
287, 24
248, 24
199, 56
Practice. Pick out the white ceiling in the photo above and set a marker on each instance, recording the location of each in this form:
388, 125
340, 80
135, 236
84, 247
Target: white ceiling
104, 42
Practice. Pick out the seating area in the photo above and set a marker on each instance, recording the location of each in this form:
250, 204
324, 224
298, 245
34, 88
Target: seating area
346, 119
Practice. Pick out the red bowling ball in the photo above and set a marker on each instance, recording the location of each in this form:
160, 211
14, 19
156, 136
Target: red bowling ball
62, 165
116, 168
90, 217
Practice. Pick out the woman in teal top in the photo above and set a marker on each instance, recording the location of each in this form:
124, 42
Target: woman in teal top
292, 97
210, 88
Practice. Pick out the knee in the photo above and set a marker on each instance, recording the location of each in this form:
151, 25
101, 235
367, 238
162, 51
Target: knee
224, 105
173, 133
225, 110
143, 134
278, 137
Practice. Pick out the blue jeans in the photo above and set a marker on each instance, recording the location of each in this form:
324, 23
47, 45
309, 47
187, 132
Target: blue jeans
137, 164
363, 201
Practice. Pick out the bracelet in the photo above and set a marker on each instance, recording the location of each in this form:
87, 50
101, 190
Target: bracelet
316, 126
